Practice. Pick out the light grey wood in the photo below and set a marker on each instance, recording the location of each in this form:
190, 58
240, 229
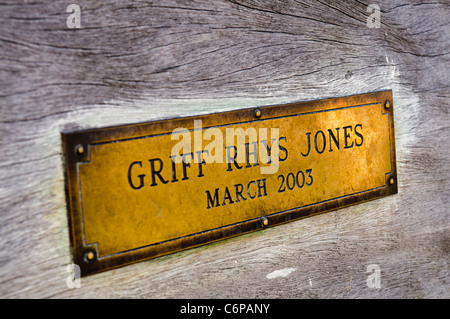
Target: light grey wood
133, 61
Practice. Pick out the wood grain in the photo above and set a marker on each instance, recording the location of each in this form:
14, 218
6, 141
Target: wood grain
133, 61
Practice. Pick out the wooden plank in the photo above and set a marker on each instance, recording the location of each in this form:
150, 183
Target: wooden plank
137, 61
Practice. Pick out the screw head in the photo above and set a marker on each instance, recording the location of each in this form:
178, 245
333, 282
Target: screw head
391, 180
79, 149
265, 221
387, 104
89, 256
257, 113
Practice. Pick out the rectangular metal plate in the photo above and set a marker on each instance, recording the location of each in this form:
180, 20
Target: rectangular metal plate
129, 200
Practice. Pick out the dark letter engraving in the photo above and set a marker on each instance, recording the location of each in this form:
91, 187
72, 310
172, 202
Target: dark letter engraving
347, 136
308, 135
359, 134
231, 159
324, 142
157, 172
141, 177
336, 141
213, 201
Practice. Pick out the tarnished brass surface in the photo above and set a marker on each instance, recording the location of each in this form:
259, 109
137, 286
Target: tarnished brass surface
129, 201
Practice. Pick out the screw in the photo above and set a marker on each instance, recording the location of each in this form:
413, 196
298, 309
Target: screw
391, 181
265, 221
89, 256
387, 104
257, 112
79, 149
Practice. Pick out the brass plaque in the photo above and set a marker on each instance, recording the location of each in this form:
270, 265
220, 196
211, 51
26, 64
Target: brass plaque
144, 190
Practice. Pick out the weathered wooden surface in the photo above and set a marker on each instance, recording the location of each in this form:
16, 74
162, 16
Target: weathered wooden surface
133, 61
